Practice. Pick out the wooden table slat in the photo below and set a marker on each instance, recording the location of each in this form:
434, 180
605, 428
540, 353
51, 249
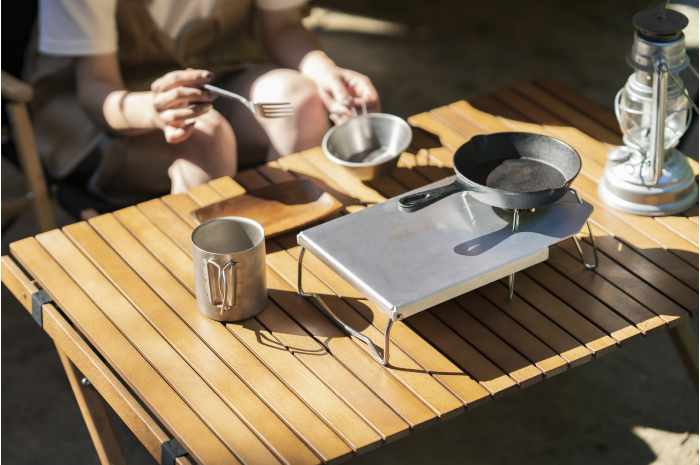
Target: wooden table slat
342, 288
647, 296
521, 370
556, 335
158, 351
536, 351
421, 384
304, 164
101, 377
682, 226
162, 399
456, 385
234, 392
596, 150
349, 354
537, 325
531, 294
429, 358
568, 114
142, 257
687, 274
530, 372
509, 360
325, 403
645, 269
651, 291
362, 366
678, 224
404, 403
585, 183
606, 293
603, 116
585, 304
326, 367
462, 353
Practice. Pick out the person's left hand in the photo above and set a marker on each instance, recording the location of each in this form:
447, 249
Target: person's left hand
343, 90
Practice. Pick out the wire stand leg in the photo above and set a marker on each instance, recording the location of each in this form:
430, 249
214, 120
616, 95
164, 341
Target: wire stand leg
381, 356
593, 264
511, 278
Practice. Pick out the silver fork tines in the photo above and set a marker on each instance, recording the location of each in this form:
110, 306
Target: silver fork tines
262, 109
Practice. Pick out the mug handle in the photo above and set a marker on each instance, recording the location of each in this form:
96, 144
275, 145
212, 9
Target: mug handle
227, 291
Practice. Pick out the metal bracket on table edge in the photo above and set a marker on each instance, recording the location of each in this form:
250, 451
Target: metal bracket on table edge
39, 299
170, 451
381, 356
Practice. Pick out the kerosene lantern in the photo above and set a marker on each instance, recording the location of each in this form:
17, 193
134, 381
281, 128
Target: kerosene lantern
648, 175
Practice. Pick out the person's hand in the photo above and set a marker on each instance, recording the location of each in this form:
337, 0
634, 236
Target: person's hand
342, 90
177, 102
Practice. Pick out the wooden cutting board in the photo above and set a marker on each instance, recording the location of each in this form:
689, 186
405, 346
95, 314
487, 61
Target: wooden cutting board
278, 207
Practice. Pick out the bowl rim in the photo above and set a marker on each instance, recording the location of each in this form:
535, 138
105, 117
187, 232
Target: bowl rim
329, 133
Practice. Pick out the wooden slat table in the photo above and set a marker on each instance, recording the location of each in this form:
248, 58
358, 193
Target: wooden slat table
289, 386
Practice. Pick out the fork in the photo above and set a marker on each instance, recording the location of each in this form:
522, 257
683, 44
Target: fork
262, 109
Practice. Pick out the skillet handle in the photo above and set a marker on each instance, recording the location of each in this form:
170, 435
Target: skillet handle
414, 202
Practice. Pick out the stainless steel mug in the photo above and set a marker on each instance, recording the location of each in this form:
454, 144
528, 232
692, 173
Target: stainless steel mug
229, 268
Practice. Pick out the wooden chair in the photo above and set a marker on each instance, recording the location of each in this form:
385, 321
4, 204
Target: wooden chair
17, 95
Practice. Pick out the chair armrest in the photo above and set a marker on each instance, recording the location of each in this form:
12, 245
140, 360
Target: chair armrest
15, 90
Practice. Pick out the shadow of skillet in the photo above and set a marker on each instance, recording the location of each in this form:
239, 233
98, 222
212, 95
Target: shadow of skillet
528, 222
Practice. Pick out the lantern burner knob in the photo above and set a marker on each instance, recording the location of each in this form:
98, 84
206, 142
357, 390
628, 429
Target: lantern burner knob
659, 24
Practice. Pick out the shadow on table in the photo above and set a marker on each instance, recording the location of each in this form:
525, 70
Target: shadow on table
555, 293
561, 292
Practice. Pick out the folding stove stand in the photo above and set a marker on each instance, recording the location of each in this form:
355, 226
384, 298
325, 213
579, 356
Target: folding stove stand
409, 262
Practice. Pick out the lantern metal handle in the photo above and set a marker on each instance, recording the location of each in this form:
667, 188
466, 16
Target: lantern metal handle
658, 126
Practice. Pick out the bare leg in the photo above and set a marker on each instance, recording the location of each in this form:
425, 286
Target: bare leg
261, 139
148, 165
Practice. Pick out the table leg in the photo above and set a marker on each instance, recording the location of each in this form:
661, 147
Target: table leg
94, 412
686, 344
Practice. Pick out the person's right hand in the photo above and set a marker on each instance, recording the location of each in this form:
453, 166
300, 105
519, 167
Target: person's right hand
178, 100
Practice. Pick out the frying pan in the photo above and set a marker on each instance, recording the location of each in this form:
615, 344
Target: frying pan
510, 170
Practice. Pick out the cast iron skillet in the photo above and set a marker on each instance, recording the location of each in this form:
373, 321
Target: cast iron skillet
510, 170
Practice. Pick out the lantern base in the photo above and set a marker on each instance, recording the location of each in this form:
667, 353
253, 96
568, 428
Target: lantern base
623, 188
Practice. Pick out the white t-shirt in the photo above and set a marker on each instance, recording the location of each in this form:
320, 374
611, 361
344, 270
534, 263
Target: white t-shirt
88, 27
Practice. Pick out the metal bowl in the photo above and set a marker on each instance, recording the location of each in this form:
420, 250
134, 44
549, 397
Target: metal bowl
367, 146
